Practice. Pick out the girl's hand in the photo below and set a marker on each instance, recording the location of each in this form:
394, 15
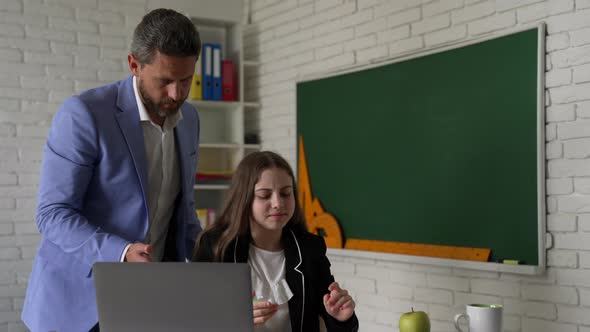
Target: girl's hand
263, 311
338, 303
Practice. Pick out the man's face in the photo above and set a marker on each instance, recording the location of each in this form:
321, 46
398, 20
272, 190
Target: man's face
163, 84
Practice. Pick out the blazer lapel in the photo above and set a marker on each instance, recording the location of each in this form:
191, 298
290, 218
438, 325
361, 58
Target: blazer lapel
183, 145
129, 123
295, 279
237, 251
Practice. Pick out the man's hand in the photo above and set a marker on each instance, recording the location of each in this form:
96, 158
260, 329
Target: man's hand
139, 253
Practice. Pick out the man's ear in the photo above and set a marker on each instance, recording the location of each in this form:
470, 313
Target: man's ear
134, 65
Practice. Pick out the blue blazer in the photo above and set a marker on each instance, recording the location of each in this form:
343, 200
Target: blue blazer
92, 201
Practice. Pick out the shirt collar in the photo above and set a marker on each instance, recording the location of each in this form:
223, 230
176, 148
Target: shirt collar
170, 122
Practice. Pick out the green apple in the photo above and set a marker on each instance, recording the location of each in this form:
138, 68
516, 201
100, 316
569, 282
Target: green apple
415, 321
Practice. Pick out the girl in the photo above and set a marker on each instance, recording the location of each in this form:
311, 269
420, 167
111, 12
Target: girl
261, 223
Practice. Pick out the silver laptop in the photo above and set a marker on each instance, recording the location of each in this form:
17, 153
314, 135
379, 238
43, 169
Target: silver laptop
173, 297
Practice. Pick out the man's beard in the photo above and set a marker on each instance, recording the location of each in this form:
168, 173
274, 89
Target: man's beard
157, 109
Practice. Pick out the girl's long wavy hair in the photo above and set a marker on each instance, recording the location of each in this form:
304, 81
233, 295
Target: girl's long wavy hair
234, 219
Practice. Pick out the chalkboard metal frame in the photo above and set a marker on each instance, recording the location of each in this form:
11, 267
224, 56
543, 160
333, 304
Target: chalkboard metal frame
541, 191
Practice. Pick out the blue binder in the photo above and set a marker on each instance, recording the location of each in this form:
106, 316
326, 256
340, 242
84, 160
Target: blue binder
207, 73
216, 71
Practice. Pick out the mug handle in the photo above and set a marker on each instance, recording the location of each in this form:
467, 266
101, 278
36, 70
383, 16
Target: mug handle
457, 317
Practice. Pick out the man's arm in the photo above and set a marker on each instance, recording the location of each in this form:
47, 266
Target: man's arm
70, 155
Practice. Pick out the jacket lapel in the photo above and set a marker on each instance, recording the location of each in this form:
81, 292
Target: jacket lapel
183, 144
295, 279
128, 120
238, 250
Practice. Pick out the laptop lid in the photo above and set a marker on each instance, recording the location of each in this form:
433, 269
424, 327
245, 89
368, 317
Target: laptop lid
175, 297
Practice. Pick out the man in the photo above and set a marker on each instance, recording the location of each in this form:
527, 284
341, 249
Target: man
117, 176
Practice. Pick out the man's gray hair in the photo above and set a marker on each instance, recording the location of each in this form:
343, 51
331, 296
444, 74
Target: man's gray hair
166, 31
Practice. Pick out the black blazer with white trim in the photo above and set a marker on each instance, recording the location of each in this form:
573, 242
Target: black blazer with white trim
307, 273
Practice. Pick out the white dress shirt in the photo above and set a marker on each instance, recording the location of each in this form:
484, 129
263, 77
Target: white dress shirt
163, 177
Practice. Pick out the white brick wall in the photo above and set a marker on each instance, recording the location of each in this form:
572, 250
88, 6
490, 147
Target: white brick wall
344, 33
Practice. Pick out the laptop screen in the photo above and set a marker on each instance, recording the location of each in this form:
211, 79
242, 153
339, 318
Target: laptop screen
174, 297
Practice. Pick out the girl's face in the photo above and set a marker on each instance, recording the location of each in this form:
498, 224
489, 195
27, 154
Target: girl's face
274, 201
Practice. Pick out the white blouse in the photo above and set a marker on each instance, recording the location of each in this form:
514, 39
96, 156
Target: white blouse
267, 270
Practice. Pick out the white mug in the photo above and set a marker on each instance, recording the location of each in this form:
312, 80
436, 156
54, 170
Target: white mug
482, 318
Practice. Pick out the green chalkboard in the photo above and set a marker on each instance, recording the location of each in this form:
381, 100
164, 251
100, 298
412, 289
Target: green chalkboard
436, 149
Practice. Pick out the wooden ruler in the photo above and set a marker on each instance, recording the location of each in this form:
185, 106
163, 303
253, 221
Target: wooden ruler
416, 249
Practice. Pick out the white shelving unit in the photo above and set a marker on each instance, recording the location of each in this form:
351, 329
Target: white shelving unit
222, 137
211, 186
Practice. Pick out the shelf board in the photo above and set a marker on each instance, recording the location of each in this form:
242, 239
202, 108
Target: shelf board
251, 63
229, 146
251, 104
212, 104
211, 186
220, 145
